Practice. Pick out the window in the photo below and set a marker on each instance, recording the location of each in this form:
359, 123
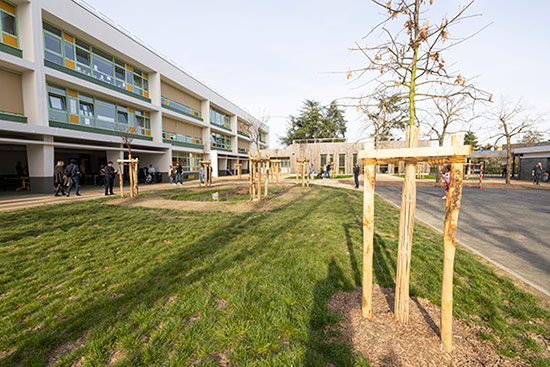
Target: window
323, 160
57, 103
122, 117
8, 23
86, 109
219, 118
60, 48
341, 163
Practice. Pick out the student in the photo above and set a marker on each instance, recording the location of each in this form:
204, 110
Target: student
312, 174
179, 174
58, 179
356, 171
151, 172
327, 171
110, 173
171, 174
447, 179
73, 172
537, 173
202, 173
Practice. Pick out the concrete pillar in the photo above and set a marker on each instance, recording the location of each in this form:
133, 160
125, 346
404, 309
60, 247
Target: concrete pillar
214, 159
40, 159
156, 126
25, 29
234, 141
205, 111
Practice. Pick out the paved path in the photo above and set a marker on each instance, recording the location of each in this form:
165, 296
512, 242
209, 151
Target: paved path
508, 226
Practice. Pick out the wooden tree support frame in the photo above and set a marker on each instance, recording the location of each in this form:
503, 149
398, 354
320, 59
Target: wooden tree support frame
275, 170
259, 166
456, 154
238, 168
302, 171
132, 165
207, 166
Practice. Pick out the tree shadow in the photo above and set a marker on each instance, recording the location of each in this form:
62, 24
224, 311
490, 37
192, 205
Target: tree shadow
431, 323
352, 258
156, 284
322, 347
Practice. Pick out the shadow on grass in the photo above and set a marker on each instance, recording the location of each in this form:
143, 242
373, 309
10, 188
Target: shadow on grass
322, 347
38, 346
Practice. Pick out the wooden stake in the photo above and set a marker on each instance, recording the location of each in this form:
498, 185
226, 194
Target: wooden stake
406, 226
121, 181
266, 179
452, 204
368, 237
259, 180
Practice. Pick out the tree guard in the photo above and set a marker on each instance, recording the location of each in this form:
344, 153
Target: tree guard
207, 165
302, 170
237, 167
456, 154
132, 175
259, 166
275, 170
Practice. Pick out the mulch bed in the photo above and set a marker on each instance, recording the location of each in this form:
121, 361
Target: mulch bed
384, 342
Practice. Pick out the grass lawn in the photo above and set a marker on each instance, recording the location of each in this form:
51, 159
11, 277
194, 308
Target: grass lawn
89, 284
225, 194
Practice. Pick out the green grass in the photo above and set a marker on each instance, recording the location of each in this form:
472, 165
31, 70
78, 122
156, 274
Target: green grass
315, 177
227, 194
432, 177
173, 288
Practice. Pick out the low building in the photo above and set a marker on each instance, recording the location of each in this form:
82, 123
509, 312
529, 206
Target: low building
529, 156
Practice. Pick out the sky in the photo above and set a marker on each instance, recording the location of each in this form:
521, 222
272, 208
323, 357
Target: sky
269, 56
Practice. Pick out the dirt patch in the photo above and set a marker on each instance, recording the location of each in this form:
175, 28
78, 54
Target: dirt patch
117, 356
385, 343
507, 234
67, 347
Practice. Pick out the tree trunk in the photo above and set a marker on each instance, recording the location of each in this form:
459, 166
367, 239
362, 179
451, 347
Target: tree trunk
508, 159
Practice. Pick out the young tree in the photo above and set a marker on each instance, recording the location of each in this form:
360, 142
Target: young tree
254, 129
314, 122
384, 118
513, 121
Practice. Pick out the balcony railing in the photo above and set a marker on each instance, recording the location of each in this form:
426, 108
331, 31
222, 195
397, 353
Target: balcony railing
178, 107
243, 134
183, 139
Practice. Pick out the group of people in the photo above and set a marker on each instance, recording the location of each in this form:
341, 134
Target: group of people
539, 175
66, 177
175, 174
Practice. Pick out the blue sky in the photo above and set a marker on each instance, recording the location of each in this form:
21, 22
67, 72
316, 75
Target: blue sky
271, 55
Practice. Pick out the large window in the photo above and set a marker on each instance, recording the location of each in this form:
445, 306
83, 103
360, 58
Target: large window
341, 163
8, 24
181, 108
188, 161
220, 141
263, 138
63, 49
78, 108
220, 119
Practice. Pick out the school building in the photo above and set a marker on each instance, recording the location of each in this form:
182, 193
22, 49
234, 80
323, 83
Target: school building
73, 83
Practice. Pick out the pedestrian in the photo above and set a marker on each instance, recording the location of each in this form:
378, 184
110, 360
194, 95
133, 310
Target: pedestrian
152, 172
73, 172
447, 179
110, 173
202, 173
537, 173
171, 174
327, 171
101, 175
58, 179
179, 174
312, 173
356, 172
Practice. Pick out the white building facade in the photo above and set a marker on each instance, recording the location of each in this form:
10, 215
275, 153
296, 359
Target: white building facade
72, 83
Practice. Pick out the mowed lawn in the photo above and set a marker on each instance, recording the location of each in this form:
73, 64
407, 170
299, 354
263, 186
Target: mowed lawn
90, 284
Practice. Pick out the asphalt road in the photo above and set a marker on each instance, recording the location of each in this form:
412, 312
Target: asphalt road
509, 226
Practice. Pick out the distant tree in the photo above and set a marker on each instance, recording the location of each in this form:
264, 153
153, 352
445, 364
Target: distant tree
384, 117
532, 137
470, 139
513, 121
314, 122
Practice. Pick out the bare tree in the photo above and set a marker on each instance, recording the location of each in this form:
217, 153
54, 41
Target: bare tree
384, 118
254, 129
409, 64
532, 137
513, 121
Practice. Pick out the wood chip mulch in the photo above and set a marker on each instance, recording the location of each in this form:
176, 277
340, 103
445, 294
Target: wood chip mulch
384, 342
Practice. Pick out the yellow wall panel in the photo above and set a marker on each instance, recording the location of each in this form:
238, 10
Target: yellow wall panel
132, 130
128, 67
148, 132
11, 95
130, 109
144, 75
73, 93
10, 40
68, 37
129, 87
145, 93
147, 114
69, 64
73, 119
7, 7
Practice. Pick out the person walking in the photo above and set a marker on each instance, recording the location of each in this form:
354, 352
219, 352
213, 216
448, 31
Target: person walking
356, 172
447, 179
73, 172
171, 174
179, 174
110, 173
327, 171
312, 173
202, 173
58, 179
537, 173
152, 172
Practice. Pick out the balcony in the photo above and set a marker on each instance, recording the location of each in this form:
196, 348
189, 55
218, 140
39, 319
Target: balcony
182, 140
180, 108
